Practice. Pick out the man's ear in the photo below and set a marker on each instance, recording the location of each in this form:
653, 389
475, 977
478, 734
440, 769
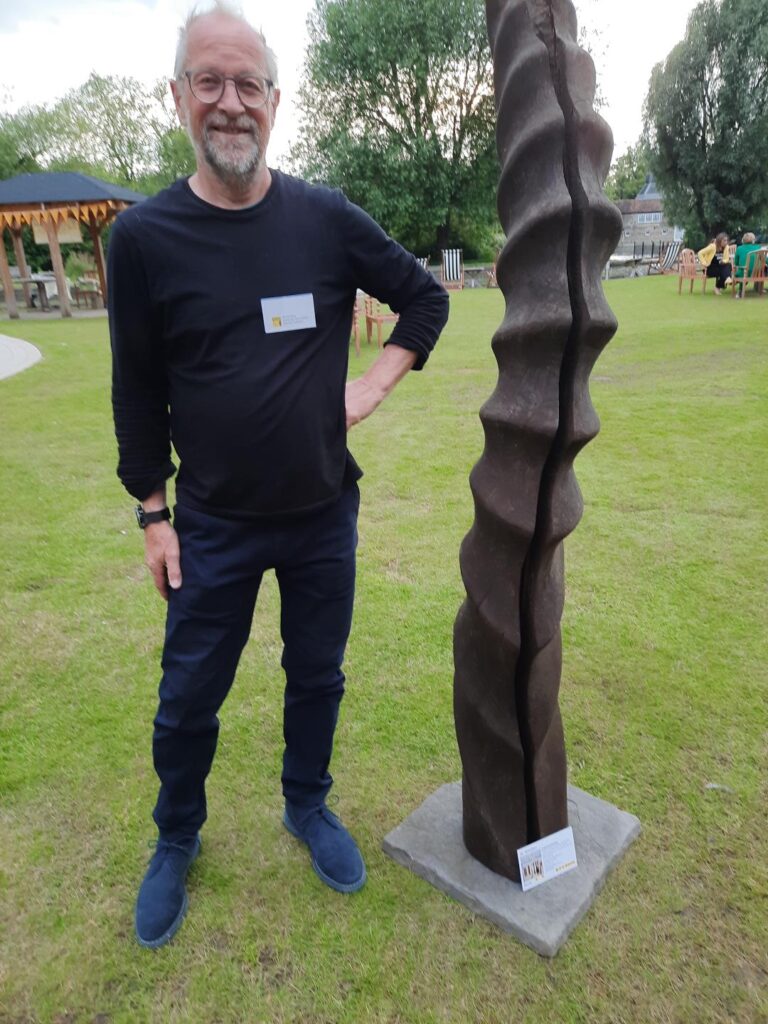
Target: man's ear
176, 93
274, 103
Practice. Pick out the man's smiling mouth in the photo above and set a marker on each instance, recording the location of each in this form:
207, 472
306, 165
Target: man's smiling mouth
230, 130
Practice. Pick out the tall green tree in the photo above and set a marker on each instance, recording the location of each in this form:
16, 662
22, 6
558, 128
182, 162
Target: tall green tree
110, 127
12, 162
28, 139
628, 172
112, 123
397, 106
706, 117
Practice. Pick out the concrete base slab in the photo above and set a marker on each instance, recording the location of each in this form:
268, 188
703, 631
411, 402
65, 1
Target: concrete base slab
430, 843
16, 355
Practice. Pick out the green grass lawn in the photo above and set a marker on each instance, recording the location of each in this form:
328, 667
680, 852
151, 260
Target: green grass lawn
664, 691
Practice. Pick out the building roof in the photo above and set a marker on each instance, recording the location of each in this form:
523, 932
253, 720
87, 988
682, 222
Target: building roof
650, 189
640, 205
63, 187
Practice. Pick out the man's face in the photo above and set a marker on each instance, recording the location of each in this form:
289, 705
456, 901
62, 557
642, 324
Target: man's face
230, 137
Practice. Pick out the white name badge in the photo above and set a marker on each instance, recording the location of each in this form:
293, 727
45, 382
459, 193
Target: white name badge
288, 313
548, 858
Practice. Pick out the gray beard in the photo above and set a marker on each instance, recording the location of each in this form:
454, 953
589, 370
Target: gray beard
235, 168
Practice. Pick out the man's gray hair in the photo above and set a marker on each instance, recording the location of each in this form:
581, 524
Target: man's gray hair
231, 10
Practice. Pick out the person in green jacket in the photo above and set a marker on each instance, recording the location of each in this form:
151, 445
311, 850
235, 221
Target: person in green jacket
744, 261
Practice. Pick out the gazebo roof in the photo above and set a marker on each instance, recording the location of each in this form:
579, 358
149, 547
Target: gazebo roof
51, 200
63, 187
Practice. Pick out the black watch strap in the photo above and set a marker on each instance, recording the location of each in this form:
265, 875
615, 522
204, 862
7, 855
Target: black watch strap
145, 519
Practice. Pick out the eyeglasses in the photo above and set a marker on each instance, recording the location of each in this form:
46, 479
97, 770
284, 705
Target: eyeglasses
208, 87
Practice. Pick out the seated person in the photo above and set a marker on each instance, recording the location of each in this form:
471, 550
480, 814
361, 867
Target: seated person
716, 258
744, 261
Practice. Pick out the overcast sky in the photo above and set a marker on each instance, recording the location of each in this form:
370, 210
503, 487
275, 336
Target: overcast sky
50, 46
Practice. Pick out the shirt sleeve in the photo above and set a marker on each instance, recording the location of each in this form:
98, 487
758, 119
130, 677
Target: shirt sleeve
384, 269
706, 254
139, 382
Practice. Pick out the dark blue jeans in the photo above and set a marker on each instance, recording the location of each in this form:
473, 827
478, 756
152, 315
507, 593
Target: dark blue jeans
209, 620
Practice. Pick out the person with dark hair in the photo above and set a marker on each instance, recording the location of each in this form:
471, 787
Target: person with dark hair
716, 258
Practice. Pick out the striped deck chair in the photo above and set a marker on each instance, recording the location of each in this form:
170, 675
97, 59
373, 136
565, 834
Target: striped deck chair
452, 268
667, 261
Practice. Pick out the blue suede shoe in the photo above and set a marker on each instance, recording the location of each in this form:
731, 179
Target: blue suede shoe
335, 856
162, 901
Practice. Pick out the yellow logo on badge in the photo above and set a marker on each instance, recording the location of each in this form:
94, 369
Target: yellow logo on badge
277, 321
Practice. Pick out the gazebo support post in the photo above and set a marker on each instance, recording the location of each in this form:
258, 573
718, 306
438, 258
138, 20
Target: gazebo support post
58, 267
21, 263
98, 251
5, 275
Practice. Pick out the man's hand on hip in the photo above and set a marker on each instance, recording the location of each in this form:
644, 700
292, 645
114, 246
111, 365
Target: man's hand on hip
161, 555
361, 399
367, 392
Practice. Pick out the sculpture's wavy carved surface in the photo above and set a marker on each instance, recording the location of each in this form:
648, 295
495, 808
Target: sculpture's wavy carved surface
555, 152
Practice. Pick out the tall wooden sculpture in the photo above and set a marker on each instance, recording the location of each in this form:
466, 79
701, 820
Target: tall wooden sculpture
555, 152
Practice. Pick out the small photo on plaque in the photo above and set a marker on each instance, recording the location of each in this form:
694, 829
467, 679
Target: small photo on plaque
547, 858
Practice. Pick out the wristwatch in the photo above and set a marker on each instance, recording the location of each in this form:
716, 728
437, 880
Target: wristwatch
145, 519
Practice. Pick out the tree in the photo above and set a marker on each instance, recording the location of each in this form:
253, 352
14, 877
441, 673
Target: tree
11, 161
109, 127
175, 155
397, 106
629, 172
706, 117
27, 138
111, 122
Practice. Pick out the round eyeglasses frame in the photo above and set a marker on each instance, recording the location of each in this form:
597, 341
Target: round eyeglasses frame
235, 79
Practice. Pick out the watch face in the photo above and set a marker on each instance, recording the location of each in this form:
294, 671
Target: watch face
144, 519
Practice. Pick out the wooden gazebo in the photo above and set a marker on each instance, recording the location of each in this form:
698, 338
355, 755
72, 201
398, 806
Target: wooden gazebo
51, 200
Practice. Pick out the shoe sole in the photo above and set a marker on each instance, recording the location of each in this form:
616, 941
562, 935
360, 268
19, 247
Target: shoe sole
178, 920
156, 943
330, 882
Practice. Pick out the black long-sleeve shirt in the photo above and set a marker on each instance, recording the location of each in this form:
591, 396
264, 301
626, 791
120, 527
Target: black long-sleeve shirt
257, 419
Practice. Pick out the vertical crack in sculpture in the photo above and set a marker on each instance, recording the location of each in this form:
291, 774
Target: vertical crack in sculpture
555, 152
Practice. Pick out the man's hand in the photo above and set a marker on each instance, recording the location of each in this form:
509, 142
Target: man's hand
361, 399
367, 392
161, 555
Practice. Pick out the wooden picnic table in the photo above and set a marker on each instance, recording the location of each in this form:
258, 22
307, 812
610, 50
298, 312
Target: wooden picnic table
42, 290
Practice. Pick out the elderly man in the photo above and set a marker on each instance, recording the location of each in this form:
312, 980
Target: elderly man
230, 311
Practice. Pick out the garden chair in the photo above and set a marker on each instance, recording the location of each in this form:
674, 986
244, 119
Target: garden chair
754, 273
667, 261
86, 291
374, 315
452, 268
356, 324
688, 270
492, 282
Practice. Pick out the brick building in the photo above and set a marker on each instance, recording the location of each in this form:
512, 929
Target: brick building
644, 221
